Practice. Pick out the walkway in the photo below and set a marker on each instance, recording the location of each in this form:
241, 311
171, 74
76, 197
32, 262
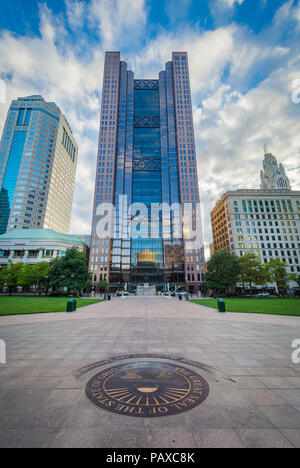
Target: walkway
42, 405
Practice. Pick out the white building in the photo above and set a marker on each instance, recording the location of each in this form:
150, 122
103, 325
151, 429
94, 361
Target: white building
263, 221
273, 175
36, 245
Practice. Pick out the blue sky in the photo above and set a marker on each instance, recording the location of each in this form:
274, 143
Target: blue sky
244, 58
23, 16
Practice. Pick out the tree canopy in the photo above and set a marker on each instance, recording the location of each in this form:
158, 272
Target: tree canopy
253, 272
103, 285
278, 273
25, 275
223, 270
70, 272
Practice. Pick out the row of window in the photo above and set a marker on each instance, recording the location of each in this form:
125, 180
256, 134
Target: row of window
68, 145
293, 268
31, 253
250, 206
24, 117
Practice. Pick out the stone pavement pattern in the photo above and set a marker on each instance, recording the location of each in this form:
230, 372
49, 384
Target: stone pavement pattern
41, 405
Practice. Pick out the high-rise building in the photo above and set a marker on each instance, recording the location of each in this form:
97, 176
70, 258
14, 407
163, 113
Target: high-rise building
147, 157
38, 160
211, 249
264, 221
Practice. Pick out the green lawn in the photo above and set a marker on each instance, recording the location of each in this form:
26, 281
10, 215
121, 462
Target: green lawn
16, 305
256, 306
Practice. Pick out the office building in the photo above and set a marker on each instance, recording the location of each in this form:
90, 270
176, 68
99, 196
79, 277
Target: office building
264, 221
38, 160
147, 156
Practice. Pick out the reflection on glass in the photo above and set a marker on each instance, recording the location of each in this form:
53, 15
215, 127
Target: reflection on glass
146, 143
10, 178
146, 102
146, 253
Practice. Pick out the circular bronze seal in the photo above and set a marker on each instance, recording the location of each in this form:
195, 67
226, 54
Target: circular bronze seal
147, 389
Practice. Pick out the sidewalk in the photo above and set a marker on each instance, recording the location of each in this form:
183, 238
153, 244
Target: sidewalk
42, 405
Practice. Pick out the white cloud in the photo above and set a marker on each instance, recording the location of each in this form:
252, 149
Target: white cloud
208, 54
229, 3
297, 12
120, 22
76, 13
47, 65
241, 85
223, 10
231, 130
179, 13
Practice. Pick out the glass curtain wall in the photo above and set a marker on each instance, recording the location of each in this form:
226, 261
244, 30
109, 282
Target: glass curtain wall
10, 178
146, 252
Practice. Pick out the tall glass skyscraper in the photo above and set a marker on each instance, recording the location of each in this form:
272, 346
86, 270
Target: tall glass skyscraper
147, 171
38, 160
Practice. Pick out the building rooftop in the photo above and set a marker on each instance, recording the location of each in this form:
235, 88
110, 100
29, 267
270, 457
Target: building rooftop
34, 97
41, 234
38, 97
255, 192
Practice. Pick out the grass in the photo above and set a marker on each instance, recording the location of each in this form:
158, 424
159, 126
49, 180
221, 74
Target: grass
271, 306
19, 305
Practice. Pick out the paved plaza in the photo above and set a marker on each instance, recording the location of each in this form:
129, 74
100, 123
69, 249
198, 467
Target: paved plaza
43, 405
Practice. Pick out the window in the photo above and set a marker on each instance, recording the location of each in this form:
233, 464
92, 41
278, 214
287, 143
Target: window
21, 117
146, 102
27, 118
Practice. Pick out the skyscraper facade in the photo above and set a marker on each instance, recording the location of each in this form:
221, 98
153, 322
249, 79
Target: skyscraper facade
38, 159
147, 170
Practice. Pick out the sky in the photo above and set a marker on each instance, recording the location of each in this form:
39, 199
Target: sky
244, 58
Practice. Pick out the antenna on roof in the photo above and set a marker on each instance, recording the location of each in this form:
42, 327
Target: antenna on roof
266, 149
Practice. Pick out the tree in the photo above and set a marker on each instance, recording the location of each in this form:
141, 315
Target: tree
26, 276
223, 270
41, 272
3, 275
13, 274
70, 271
35, 276
253, 271
103, 285
278, 273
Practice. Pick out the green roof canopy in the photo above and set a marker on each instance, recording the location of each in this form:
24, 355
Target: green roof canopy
41, 234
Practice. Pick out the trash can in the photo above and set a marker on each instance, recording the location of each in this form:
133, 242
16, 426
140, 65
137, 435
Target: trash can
75, 304
180, 297
186, 297
70, 305
221, 305
108, 297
